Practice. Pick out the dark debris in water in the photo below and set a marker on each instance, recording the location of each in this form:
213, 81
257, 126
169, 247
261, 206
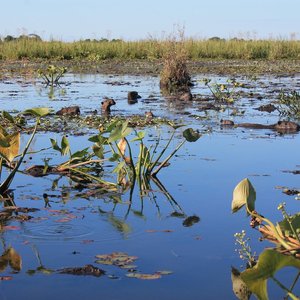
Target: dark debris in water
190, 221
87, 270
291, 192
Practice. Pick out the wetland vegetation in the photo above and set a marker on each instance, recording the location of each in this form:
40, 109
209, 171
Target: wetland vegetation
132, 194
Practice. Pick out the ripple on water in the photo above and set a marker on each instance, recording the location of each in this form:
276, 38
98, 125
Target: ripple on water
58, 231
69, 231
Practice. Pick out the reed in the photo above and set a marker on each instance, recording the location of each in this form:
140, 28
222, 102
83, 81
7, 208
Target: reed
148, 49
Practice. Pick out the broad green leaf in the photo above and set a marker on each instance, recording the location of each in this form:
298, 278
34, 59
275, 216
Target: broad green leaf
239, 287
99, 139
244, 193
8, 116
98, 150
55, 145
139, 136
111, 126
286, 228
191, 135
65, 146
12, 150
120, 131
269, 262
115, 157
80, 154
38, 111
115, 134
94, 138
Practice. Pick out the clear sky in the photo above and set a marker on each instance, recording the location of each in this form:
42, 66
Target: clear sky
136, 19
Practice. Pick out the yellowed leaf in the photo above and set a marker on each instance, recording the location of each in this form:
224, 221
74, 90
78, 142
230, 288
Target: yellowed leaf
10, 152
122, 146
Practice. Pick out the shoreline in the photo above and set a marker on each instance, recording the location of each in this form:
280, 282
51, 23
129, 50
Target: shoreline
153, 67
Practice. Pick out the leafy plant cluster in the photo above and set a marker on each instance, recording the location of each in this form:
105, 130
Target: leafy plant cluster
285, 236
223, 92
86, 165
52, 75
289, 104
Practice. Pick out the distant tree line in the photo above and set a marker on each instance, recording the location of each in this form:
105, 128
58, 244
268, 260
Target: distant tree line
36, 37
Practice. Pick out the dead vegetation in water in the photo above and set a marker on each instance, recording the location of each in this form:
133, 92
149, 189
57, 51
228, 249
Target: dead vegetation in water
175, 74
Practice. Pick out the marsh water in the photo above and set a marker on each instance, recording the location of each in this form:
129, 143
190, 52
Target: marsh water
73, 225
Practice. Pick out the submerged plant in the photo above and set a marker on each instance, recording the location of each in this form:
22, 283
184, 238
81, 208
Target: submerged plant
52, 75
284, 234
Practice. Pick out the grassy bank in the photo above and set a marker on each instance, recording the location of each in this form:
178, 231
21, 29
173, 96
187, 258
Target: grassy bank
148, 49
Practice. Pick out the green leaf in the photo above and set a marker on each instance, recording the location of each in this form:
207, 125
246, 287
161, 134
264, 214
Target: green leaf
120, 131
38, 111
65, 146
285, 225
269, 262
244, 193
139, 136
80, 154
98, 151
94, 138
99, 139
115, 157
55, 145
8, 116
191, 135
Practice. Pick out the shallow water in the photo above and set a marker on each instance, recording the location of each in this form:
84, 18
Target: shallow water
74, 226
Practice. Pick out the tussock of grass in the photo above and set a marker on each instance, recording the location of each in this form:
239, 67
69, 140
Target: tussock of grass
149, 49
174, 73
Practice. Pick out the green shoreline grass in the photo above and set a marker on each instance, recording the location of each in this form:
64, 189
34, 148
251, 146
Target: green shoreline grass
97, 51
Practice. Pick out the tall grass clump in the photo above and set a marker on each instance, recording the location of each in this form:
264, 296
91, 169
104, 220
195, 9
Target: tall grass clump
174, 74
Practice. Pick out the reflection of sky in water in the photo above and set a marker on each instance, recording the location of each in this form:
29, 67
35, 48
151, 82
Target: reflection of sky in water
201, 179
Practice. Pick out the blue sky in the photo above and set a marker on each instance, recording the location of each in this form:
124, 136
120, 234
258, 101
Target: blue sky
132, 19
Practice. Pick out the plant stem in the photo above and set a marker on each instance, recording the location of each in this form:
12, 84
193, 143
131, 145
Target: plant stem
167, 159
272, 226
5, 185
161, 153
289, 293
93, 177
